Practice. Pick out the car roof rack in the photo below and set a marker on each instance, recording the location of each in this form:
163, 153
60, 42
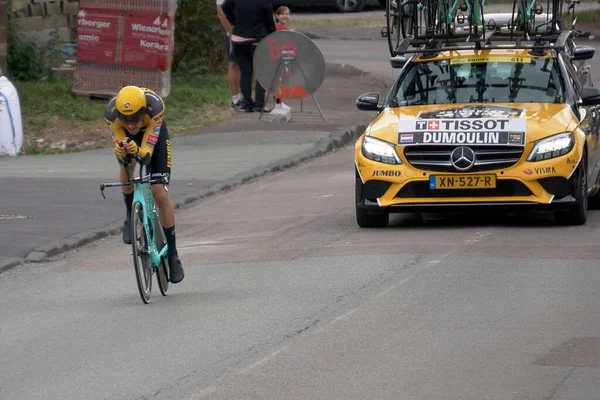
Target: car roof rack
537, 45
492, 36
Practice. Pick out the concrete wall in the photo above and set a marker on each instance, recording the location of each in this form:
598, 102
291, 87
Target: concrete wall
41, 18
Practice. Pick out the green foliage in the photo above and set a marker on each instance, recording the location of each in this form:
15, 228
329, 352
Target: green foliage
588, 17
199, 43
32, 147
55, 98
43, 100
28, 58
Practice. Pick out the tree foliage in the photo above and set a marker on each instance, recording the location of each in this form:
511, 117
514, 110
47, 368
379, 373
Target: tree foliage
199, 43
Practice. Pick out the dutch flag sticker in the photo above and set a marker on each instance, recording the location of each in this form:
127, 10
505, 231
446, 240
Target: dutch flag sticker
406, 138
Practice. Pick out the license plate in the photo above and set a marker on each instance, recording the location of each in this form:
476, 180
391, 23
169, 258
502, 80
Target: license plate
487, 181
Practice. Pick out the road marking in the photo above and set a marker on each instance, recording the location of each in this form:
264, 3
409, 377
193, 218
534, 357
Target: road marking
11, 216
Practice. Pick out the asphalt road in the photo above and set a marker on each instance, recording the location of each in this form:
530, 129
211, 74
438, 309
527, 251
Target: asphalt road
285, 297
200, 162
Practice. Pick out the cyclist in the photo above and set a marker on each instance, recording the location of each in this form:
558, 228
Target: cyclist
135, 119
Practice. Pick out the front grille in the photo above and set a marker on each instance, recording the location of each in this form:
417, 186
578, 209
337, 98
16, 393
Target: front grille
504, 188
437, 158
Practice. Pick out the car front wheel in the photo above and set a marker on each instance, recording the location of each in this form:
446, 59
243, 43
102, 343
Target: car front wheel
576, 214
348, 6
364, 219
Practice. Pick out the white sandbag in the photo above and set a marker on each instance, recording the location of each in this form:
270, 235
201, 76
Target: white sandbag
11, 124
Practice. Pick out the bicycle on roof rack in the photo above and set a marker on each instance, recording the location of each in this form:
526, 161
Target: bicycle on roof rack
435, 23
419, 18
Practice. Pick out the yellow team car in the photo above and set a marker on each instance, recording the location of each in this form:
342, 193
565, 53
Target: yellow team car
492, 128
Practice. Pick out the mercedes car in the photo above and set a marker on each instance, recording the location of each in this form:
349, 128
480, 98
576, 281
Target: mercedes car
496, 128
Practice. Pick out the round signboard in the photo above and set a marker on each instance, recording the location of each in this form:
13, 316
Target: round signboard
289, 64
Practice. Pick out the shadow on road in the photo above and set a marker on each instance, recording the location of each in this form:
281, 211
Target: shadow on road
530, 219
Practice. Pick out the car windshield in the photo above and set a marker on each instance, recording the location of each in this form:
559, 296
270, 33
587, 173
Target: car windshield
482, 79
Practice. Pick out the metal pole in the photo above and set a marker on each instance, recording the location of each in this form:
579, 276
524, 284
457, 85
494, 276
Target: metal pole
3, 37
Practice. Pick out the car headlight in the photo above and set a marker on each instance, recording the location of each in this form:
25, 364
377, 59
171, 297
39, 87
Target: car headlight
378, 150
554, 146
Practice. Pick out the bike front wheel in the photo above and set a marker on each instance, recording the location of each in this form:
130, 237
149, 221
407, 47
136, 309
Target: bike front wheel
393, 25
400, 22
162, 273
141, 258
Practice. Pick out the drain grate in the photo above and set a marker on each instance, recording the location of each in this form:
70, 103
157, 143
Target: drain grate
577, 352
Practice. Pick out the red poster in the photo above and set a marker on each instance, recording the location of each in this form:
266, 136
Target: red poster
97, 32
147, 41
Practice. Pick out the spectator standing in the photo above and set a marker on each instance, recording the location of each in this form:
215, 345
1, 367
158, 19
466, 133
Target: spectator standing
233, 70
282, 18
253, 21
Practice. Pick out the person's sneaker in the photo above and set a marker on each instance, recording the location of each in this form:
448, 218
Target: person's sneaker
241, 107
264, 109
176, 269
127, 231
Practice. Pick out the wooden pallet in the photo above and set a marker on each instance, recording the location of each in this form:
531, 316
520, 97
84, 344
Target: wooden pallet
94, 96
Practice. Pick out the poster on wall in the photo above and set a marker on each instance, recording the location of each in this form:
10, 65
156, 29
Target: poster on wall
97, 35
147, 41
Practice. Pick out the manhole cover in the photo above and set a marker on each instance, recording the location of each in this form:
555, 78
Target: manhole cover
11, 216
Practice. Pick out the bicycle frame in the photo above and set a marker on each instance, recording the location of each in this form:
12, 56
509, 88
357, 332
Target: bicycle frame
143, 194
476, 7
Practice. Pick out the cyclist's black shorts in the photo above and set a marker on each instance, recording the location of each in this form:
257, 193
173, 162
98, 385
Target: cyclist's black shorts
160, 165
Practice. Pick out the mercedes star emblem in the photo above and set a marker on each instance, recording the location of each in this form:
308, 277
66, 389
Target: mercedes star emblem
463, 158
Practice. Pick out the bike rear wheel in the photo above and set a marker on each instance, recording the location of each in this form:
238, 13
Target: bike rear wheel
141, 259
393, 25
162, 273
401, 21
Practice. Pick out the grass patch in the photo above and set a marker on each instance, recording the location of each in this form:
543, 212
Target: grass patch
198, 102
587, 17
55, 120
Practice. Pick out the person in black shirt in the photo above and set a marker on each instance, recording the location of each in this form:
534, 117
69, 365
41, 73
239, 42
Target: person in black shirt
253, 21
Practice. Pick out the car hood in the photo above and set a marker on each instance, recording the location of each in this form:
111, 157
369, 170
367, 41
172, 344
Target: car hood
539, 120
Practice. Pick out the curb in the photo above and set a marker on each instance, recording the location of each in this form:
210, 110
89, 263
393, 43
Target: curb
43, 253
9, 263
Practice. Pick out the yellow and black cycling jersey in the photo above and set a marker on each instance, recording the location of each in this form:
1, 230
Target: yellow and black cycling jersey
151, 122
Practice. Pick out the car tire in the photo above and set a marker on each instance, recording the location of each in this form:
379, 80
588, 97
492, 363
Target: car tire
594, 202
364, 218
594, 199
576, 214
348, 6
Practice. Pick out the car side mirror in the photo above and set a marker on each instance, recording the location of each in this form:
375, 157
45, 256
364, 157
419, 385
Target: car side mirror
398, 61
590, 96
583, 52
368, 102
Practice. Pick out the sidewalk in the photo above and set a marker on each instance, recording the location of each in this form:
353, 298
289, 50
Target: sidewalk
52, 204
